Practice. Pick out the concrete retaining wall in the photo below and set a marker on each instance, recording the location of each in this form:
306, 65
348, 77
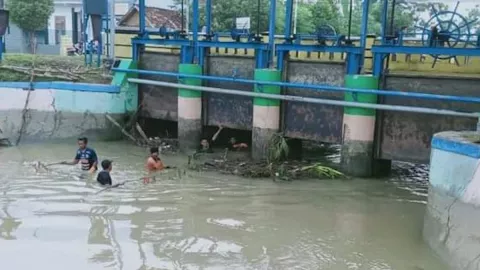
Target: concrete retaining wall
452, 219
59, 110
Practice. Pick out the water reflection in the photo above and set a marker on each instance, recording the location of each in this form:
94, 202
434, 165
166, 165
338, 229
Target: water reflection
202, 221
8, 224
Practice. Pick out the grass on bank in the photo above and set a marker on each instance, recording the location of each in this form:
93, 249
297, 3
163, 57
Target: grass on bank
18, 68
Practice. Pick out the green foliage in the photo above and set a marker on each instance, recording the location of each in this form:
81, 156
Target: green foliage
226, 11
277, 153
311, 15
474, 14
30, 15
277, 149
326, 12
318, 170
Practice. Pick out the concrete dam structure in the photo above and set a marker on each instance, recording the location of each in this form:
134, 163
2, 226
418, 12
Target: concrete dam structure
397, 135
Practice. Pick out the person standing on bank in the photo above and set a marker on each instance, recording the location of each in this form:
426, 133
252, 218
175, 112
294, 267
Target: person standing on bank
87, 157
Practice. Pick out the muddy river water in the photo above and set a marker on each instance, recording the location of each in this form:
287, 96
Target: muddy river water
56, 220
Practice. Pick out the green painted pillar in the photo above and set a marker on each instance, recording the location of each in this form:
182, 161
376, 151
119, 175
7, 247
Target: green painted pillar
189, 109
128, 91
359, 128
266, 112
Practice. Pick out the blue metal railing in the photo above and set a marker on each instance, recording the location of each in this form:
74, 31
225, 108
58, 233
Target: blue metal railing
316, 87
341, 103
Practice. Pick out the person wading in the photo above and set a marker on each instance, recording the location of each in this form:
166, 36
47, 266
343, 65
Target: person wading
87, 157
154, 164
206, 144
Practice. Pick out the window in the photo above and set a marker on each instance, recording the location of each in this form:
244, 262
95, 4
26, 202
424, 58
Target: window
60, 28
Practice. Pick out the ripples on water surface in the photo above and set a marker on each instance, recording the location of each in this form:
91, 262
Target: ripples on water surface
56, 221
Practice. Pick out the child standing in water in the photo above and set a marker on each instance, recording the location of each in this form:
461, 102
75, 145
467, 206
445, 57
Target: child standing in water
104, 176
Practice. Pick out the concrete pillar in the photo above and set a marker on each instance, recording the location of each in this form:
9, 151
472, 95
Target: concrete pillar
359, 128
189, 109
266, 112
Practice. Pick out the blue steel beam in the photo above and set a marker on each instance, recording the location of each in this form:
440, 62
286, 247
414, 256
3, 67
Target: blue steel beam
384, 20
364, 25
233, 45
208, 15
1, 48
196, 15
271, 31
318, 48
426, 50
167, 42
316, 87
288, 19
141, 15
364, 30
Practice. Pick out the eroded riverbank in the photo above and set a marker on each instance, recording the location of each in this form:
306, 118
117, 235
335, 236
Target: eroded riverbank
201, 220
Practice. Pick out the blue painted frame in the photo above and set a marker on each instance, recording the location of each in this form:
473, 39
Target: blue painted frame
456, 145
68, 86
194, 51
381, 52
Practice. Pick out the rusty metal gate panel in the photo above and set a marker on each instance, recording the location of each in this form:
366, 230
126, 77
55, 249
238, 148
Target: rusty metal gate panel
229, 110
159, 102
314, 121
407, 136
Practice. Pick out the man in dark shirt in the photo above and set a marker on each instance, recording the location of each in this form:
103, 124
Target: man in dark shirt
103, 177
86, 156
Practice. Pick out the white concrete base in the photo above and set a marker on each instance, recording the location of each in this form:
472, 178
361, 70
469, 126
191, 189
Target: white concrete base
266, 117
452, 219
358, 128
189, 108
472, 192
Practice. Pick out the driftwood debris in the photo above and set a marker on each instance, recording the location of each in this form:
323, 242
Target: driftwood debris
122, 129
287, 170
141, 132
164, 144
72, 74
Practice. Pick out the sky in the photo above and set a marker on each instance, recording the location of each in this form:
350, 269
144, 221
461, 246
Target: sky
159, 3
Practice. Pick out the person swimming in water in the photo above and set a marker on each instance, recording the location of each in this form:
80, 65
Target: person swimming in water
234, 145
206, 144
87, 157
154, 164
103, 177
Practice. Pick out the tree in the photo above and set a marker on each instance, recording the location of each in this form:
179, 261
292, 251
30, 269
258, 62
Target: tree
225, 12
474, 15
30, 16
327, 12
305, 21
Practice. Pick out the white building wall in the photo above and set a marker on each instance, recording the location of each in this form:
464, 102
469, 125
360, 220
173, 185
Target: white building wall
64, 10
